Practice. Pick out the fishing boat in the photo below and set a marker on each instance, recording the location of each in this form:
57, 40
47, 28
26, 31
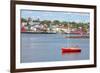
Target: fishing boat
71, 50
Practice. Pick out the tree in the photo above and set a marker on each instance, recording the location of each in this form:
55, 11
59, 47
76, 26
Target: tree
85, 27
23, 20
56, 22
47, 22
64, 23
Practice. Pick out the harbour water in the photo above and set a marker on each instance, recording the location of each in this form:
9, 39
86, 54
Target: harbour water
47, 47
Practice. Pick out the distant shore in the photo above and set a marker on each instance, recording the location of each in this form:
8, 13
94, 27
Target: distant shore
48, 33
38, 32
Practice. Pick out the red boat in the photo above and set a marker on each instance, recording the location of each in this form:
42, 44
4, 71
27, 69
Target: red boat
71, 50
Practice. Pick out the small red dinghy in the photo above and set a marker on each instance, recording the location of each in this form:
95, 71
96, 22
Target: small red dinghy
71, 50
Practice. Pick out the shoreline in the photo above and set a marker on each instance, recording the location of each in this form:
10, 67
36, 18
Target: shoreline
47, 33
38, 33
72, 36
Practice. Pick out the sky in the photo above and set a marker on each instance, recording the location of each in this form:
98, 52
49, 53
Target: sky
56, 15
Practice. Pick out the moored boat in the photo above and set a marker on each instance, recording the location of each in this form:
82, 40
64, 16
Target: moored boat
71, 50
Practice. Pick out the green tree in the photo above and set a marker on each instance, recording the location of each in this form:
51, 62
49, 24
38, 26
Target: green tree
56, 22
47, 22
23, 20
85, 27
64, 23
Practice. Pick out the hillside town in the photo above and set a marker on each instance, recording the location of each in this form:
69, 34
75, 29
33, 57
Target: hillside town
56, 26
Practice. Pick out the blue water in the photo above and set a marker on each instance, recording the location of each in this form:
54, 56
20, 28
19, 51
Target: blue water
47, 47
